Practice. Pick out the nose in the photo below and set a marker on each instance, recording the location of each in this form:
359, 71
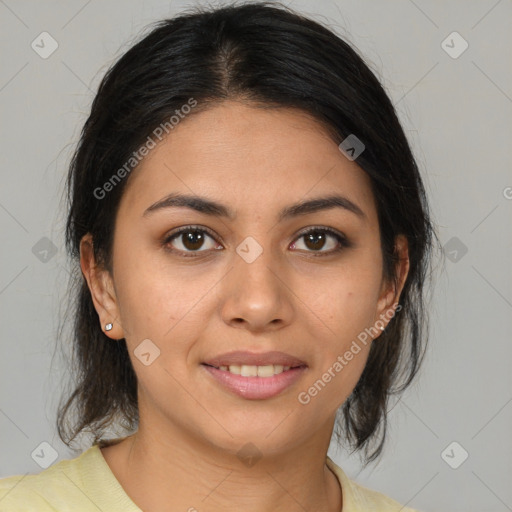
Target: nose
255, 295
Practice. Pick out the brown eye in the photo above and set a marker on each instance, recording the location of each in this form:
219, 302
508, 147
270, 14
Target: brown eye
192, 239
189, 239
316, 239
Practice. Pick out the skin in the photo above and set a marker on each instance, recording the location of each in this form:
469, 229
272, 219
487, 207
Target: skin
255, 161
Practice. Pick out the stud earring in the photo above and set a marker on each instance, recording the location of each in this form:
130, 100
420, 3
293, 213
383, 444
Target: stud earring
108, 327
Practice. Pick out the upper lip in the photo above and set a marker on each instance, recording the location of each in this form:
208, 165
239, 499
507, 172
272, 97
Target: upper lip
240, 357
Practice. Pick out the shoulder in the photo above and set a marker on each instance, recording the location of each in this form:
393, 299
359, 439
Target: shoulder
85, 483
53, 489
358, 498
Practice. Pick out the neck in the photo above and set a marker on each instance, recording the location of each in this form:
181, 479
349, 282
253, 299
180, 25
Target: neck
179, 473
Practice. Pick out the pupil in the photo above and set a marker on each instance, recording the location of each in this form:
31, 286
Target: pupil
193, 240
318, 240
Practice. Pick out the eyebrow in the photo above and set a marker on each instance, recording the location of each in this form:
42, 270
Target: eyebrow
215, 209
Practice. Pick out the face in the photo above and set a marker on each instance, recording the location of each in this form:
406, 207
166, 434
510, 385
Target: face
259, 277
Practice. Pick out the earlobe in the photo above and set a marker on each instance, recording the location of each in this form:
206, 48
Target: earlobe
101, 289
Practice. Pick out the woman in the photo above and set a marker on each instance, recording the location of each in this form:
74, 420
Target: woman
251, 238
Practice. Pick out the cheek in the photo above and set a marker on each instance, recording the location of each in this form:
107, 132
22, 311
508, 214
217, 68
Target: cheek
161, 302
345, 349
348, 308
349, 302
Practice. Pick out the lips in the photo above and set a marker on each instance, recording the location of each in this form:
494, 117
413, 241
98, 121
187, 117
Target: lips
255, 387
244, 358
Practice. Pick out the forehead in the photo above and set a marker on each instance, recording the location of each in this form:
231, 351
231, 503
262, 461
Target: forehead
251, 159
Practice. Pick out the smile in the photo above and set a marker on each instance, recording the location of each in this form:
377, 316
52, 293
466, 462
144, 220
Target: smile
246, 370
255, 382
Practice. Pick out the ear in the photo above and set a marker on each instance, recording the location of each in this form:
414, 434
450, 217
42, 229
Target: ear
102, 289
390, 291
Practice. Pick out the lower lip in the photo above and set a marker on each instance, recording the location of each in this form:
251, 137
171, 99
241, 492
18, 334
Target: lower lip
256, 388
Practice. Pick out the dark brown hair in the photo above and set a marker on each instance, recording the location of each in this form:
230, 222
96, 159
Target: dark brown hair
265, 54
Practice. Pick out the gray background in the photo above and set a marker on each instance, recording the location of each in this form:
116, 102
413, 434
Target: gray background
457, 114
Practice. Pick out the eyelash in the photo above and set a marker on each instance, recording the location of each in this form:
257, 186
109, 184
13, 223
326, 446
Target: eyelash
341, 239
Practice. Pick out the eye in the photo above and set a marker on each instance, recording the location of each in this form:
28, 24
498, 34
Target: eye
315, 238
190, 239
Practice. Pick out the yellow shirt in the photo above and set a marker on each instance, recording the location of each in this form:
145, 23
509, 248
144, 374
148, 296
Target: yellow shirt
86, 483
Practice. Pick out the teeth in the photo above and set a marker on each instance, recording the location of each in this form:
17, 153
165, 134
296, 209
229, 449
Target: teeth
265, 371
249, 371
255, 371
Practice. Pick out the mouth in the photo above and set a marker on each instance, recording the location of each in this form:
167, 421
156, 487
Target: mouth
254, 386
254, 376
248, 370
